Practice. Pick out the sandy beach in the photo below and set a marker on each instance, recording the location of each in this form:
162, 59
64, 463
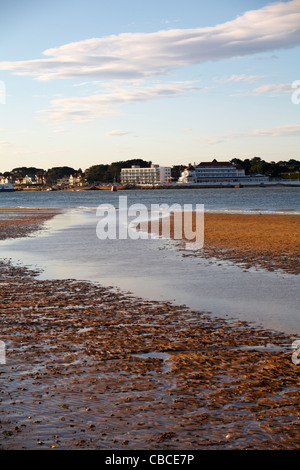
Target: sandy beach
269, 241
19, 222
89, 367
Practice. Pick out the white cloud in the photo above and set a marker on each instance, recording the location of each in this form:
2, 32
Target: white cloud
140, 55
60, 131
279, 131
219, 139
5, 143
240, 78
117, 133
108, 102
287, 130
273, 88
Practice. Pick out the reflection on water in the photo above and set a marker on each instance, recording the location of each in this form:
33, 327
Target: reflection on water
155, 269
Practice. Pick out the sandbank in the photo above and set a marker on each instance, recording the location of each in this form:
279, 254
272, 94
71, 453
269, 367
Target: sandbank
20, 222
265, 240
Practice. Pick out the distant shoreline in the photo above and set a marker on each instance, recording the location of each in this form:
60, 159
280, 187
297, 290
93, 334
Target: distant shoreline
120, 187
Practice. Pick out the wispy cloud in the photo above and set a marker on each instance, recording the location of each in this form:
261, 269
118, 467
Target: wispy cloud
117, 133
239, 78
60, 131
279, 131
288, 130
141, 55
109, 101
271, 89
219, 139
6, 143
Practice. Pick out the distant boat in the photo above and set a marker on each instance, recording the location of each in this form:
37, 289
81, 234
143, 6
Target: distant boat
113, 188
6, 187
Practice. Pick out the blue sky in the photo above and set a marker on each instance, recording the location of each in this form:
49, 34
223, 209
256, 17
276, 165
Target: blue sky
171, 81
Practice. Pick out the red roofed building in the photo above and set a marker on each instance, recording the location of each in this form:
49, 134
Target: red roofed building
209, 171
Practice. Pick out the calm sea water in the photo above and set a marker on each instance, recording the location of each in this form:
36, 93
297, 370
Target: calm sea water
155, 269
270, 199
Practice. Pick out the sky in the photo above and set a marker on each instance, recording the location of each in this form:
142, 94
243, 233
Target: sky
87, 82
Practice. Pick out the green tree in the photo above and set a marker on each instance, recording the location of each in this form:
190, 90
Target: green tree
112, 172
58, 172
256, 165
96, 173
176, 171
244, 163
21, 172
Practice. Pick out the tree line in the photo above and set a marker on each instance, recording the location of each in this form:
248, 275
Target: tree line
254, 165
105, 173
108, 173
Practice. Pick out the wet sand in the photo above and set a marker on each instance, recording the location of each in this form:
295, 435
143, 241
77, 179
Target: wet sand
16, 223
269, 241
89, 367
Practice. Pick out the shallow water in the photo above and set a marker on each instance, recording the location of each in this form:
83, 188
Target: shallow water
155, 269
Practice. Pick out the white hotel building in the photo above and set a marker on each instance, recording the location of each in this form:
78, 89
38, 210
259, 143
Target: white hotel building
154, 174
211, 171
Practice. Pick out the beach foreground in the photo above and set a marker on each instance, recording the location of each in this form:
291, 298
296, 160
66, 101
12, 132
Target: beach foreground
91, 368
